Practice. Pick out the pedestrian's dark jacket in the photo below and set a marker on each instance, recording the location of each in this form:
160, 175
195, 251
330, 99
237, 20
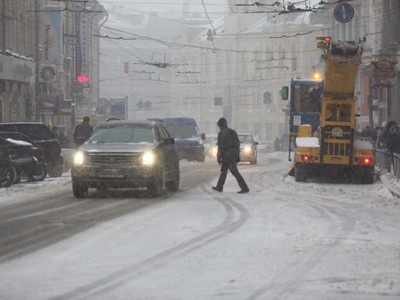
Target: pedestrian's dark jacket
384, 137
82, 133
228, 146
393, 143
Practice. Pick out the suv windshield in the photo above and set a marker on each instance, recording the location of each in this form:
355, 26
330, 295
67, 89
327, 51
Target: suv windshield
123, 134
183, 131
245, 139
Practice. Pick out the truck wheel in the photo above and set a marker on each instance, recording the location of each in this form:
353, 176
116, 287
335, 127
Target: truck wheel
55, 170
79, 189
201, 158
368, 178
299, 174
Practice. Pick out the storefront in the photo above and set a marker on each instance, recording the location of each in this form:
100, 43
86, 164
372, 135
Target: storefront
16, 89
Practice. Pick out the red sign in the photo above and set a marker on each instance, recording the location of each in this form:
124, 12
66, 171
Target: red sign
83, 78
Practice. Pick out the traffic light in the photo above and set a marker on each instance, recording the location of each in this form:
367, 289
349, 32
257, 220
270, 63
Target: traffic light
285, 93
83, 78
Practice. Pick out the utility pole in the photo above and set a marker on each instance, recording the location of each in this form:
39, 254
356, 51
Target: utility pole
37, 58
4, 25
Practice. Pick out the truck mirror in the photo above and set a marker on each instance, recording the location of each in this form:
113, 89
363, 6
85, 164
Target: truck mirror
203, 136
285, 93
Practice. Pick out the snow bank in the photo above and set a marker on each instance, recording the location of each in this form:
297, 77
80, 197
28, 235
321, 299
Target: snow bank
307, 142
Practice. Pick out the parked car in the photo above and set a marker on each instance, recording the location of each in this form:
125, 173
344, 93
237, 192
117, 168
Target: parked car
248, 148
45, 138
124, 154
41, 166
21, 155
188, 140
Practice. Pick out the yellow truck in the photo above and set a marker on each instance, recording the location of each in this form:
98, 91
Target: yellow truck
332, 148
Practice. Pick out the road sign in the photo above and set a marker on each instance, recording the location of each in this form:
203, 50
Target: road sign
344, 12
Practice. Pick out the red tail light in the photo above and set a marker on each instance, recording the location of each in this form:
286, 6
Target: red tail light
366, 161
305, 158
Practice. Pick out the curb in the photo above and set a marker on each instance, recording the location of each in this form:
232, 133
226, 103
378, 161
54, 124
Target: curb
387, 182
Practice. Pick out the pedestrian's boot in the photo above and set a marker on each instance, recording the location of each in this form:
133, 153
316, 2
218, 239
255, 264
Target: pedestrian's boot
244, 191
217, 189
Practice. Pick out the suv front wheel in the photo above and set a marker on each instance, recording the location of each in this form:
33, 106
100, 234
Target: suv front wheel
80, 189
157, 187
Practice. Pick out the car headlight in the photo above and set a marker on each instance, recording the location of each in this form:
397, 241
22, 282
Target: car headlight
214, 151
79, 158
247, 149
148, 158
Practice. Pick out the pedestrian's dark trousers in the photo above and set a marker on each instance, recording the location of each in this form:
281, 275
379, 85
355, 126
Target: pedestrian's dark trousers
235, 172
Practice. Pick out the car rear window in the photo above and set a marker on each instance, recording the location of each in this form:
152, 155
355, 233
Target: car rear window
123, 134
183, 131
38, 132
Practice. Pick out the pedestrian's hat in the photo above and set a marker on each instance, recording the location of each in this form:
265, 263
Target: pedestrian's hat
221, 122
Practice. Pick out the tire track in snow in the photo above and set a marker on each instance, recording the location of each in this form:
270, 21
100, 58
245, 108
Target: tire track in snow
340, 225
235, 216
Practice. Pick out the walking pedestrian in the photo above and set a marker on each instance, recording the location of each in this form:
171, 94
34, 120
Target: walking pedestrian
82, 132
228, 156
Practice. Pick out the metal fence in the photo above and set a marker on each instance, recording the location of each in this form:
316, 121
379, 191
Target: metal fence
387, 161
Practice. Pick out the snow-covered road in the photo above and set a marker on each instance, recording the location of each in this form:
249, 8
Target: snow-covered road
283, 240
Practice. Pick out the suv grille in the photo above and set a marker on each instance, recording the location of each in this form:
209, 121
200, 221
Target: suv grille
114, 159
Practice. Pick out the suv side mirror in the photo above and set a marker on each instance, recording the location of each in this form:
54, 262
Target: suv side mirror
168, 141
256, 143
203, 136
285, 93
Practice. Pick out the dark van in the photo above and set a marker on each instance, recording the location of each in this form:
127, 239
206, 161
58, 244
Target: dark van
188, 140
45, 138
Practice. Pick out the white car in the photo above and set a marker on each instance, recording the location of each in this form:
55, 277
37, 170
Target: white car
248, 148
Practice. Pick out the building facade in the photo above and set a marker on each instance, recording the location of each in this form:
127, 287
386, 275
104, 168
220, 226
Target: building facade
55, 25
17, 40
240, 69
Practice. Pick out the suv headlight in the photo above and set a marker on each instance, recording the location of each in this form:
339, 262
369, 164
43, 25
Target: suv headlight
148, 158
79, 158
